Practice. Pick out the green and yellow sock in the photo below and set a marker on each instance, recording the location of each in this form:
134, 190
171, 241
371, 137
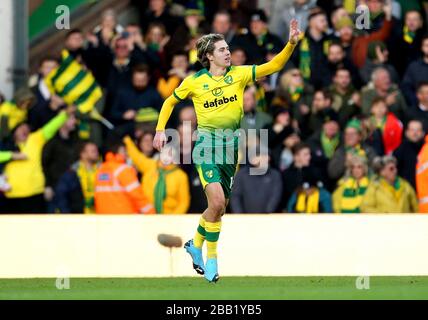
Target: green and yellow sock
212, 234
199, 238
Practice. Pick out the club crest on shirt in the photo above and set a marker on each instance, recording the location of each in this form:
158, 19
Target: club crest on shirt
217, 92
228, 79
209, 174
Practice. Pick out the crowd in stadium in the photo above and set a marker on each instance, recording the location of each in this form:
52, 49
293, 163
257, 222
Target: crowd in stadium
346, 117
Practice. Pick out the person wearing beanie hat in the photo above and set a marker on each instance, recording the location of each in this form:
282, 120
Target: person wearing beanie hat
352, 145
14, 112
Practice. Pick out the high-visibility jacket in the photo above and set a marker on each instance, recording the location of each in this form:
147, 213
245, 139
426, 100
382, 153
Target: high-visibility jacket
422, 177
117, 189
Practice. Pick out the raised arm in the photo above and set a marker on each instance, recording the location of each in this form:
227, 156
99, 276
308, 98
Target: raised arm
279, 61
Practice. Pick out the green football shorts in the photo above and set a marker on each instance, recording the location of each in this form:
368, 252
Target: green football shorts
215, 157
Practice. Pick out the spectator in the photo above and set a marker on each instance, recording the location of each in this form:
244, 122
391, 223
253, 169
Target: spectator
222, 24
120, 72
345, 34
311, 53
388, 193
46, 105
421, 177
352, 145
388, 125
293, 177
416, 73
64, 144
198, 200
348, 196
346, 101
159, 12
252, 118
165, 184
254, 193
321, 108
15, 112
336, 59
360, 43
382, 87
108, 28
156, 40
377, 57
26, 177
179, 70
117, 190
294, 93
75, 190
323, 144
281, 138
338, 16
193, 25
259, 40
420, 111
407, 153
405, 45
238, 56
310, 197
142, 95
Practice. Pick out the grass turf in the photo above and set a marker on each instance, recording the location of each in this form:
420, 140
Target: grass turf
239, 288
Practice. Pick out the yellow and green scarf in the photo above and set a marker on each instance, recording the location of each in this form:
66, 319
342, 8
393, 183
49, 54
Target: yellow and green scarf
87, 182
353, 193
408, 35
329, 145
160, 188
305, 59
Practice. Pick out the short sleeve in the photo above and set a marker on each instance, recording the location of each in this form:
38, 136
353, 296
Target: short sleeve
248, 74
184, 90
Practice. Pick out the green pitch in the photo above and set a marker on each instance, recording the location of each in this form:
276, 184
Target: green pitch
257, 288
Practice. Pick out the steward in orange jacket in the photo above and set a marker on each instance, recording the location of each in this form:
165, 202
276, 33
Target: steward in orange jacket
422, 178
117, 189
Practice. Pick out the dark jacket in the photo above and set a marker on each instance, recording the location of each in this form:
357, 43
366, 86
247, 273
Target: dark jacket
58, 155
416, 72
256, 193
256, 53
318, 63
407, 157
319, 160
416, 113
292, 178
68, 194
131, 99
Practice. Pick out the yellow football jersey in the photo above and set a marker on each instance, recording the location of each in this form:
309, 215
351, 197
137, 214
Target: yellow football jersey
218, 101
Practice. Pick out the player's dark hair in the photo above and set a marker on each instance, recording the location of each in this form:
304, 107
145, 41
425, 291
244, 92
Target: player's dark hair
205, 45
